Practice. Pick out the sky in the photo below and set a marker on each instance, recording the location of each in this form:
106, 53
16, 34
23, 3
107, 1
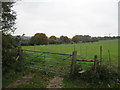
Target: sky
67, 17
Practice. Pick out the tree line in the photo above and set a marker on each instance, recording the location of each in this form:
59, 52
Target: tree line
43, 39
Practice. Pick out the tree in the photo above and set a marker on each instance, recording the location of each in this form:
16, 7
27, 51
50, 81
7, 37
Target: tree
64, 39
94, 39
76, 39
86, 38
83, 38
8, 17
32, 41
52, 37
25, 42
39, 39
58, 41
52, 40
9, 43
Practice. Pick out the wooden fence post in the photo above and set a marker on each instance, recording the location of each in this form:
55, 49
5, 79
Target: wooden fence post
73, 65
100, 54
95, 62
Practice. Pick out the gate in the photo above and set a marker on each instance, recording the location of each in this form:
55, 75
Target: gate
57, 63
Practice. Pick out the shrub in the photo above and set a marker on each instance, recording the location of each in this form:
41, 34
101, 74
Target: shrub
10, 51
102, 73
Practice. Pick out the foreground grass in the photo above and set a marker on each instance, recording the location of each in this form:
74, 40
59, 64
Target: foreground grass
102, 77
39, 80
78, 83
12, 77
88, 50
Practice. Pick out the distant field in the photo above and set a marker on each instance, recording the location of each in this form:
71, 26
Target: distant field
87, 50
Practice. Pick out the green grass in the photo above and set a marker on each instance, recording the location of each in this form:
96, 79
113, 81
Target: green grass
87, 50
39, 80
54, 62
77, 83
50, 62
103, 77
12, 77
68, 83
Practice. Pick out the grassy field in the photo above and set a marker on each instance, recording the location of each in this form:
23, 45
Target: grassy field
87, 50
55, 62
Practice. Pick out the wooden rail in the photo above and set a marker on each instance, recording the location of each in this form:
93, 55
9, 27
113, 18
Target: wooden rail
74, 59
86, 60
47, 52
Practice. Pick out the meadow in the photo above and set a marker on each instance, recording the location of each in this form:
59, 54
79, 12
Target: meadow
87, 50
54, 62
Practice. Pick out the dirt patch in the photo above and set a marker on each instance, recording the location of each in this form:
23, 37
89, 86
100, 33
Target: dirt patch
24, 79
56, 82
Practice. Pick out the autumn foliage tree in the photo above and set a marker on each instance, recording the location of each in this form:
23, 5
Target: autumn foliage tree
75, 39
52, 40
64, 39
52, 37
39, 39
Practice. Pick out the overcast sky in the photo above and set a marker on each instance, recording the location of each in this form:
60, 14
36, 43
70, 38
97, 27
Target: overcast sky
67, 17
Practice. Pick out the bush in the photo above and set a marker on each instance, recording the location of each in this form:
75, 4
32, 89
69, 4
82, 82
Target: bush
10, 51
102, 73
